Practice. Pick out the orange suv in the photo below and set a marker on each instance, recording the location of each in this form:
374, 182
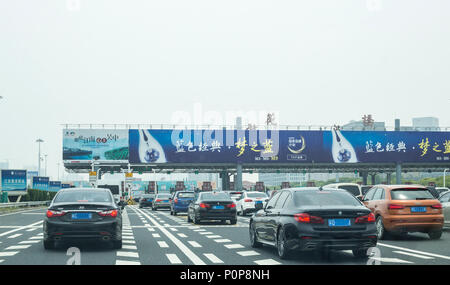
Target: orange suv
405, 208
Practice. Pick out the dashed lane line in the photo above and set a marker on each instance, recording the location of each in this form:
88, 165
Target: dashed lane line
163, 244
267, 262
248, 253
213, 258
15, 235
194, 243
223, 240
127, 262
173, 258
20, 228
17, 247
8, 253
232, 246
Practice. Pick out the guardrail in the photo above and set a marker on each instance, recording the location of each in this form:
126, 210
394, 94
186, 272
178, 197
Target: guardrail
24, 204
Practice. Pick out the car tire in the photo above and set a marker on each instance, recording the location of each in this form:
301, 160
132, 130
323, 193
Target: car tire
282, 250
253, 239
174, 213
117, 244
233, 221
171, 212
189, 220
49, 244
360, 253
381, 231
435, 234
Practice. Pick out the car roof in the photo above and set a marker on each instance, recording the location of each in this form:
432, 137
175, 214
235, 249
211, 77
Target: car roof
84, 189
342, 184
402, 186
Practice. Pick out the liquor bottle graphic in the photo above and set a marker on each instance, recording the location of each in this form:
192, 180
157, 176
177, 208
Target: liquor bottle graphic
150, 151
341, 148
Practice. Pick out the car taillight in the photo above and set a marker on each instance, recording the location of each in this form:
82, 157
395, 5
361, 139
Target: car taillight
437, 206
306, 218
144, 199
232, 205
370, 218
158, 200
248, 200
203, 205
51, 213
175, 201
112, 213
395, 207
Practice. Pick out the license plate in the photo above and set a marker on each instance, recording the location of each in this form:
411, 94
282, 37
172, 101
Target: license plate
81, 216
339, 222
166, 201
218, 207
418, 209
258, 202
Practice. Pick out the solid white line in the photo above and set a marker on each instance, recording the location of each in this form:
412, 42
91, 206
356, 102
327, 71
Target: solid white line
8, 253
231, 246
163, 244
173, 258
248, 253
213, 258
191, 255
14, 236
267, 262
222, 240
414, 255
194, 243
126, 262
128, 254
415, 251
18, 229
17, 247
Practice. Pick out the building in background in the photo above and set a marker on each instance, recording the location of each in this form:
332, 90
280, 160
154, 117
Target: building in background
359, 126
4, 164
204, 177
426, 124
275, 179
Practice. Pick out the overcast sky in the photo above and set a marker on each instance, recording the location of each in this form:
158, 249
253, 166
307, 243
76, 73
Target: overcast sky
313, 62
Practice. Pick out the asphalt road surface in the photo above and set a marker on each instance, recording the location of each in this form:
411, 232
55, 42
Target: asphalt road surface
157, 238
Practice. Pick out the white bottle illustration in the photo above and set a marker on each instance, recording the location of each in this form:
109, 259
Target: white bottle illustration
341, 149
150, 151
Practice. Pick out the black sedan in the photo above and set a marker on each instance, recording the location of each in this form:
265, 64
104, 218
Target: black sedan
306, 219
146, 200
83, 214
212, 206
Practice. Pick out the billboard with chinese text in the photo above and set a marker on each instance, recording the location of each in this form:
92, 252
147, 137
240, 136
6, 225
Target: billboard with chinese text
41, 183
13, 181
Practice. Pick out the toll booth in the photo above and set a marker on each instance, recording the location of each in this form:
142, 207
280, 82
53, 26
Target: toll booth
285, 185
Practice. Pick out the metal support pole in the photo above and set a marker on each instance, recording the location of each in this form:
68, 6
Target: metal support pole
398, 173
373, 178
238, 182
364, 177
388, 178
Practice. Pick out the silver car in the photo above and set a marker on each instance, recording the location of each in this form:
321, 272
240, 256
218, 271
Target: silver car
161, 201
445, 201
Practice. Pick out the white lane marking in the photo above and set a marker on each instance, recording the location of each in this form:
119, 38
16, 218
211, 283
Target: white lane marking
390, 260
194, 243
199, 230
173, 258
267, 262
40, 234
173, 229
129, 241
8, 253
128, 254
146, 225
163, 244
20, 212
127, 234
156, 235
125, 246
36, 237
414, 251
126, 262
206, 233
17, 247
222, 240
127, 237
182, 235
18, 229
231, 246
213, 258
248, 253
29, 241
412, 254
14, 236
32, 229
1, 260
191, 255
151, 229
214, 236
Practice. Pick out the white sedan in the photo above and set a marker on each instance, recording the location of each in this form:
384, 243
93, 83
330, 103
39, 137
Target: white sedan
247, 202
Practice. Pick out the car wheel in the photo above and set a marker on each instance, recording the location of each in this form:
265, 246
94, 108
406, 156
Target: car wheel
360, 253
174, 213
171, 212
49, 244
195, 220
435, 234
189, 218
117, 244
283, 251
233, 221
253, 239
381, 231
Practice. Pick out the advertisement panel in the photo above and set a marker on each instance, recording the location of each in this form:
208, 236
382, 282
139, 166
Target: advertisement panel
54, 186
13, 181
41, 183
65, 185
90, 144
218, 146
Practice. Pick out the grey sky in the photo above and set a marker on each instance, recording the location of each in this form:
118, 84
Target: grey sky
315, 62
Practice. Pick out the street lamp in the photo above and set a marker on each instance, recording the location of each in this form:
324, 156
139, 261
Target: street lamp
445, 170
39, 141
45, 164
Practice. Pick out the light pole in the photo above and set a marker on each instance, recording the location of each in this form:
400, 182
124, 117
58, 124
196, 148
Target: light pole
45, 164
445, 170
58, 171
39, 141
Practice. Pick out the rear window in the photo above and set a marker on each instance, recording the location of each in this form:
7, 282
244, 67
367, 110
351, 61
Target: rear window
186, 195
214, 196
411, 194
164, 196
324, 198
256, 195
353, 189
79, 196
147, 196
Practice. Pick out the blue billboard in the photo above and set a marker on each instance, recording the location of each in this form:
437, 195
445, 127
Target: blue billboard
54, 186
290, 146
65, 185
13, 180
41, 183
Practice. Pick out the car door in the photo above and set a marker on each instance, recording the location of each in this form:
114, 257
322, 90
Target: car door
368, 198
263, 216
274, 217
191, 207
445, 201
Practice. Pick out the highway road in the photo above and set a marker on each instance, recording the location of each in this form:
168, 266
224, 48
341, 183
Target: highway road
157, 238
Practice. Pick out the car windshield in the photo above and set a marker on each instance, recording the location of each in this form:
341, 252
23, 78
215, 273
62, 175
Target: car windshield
163, 196
74, 196
186, 195
256, 195
147, 196
411, 194
353, 189
324, 198
214, 196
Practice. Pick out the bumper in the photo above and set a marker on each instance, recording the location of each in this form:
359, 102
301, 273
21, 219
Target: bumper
408, 223
161, 205
145, 204
216, 216
179, 209
104, 230
338, 244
